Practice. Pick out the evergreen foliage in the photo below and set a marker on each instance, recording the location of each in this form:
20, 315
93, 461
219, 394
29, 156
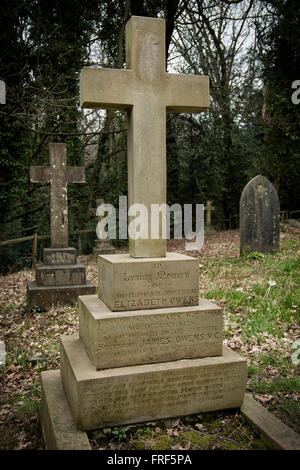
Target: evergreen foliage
250, 50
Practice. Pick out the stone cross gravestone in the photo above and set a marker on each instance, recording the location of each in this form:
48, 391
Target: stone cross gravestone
60, 278
259, 217
102, 247
208, 208
146, 92
148, 348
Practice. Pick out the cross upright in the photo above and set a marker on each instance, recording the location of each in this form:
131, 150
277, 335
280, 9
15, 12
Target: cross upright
208, 208
146, 92
58, 175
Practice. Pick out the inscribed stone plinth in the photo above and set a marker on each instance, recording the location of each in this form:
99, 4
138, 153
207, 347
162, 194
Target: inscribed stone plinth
146, 92
148, 392
147, 336
60, 275
126, 283
45, 297
59, 256
259, 217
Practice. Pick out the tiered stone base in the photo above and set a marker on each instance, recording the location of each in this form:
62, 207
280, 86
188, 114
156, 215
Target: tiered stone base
103, 247
148, 348
127, 283
46, 296
117, 339
59, 280
135, 394
58, 427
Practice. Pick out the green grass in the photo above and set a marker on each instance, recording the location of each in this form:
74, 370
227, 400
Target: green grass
291, 384
260, 295
269, 299
28, 406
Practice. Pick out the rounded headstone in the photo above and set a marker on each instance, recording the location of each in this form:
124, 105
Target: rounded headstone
259, 217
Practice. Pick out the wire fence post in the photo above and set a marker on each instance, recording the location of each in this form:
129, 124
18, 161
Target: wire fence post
34, 250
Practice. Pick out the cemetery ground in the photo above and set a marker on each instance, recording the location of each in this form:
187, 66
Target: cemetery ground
261, 298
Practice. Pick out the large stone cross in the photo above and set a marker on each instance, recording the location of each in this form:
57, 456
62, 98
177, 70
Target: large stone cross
146, 92
58, 175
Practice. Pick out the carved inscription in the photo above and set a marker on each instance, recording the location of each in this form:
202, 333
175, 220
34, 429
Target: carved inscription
158, 337
62, 277
165, 393
149, 284
60, 258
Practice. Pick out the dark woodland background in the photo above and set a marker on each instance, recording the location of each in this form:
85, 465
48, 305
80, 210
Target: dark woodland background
250, 49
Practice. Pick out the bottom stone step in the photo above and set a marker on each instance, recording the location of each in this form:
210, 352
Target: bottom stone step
58, 427
44, 297
125, 395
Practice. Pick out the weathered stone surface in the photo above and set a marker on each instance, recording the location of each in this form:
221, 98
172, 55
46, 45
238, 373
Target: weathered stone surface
280, 436
148, 392
293, 223
208, 208
2, 354
58, 427
59, 256
130, 338
259, 217
126, 283
103, 251
60, 275
58, 175
45, 297
147, 92
103, 247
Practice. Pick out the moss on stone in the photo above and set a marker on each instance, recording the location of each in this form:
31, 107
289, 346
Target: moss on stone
138, 444
230, 446
260, 444
202, 441
163, 443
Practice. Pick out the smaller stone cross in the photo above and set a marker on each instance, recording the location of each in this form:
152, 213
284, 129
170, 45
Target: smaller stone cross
208, 208
58, 175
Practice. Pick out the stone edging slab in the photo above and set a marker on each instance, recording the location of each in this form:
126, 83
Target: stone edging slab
58, 427
279, 435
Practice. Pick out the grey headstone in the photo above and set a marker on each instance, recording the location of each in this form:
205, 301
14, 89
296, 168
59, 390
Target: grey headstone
259, 217
294, 223
2, 354
2, 92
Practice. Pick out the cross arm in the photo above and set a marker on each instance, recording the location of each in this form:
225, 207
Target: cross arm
187, 93
75, 174
40, 174
106, 88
